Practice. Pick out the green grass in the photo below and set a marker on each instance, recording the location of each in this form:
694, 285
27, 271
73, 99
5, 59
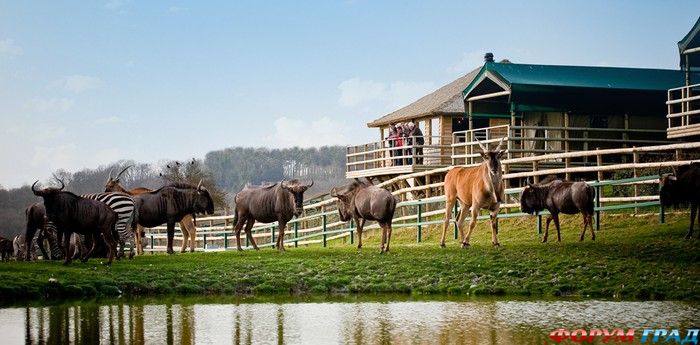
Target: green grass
632, 258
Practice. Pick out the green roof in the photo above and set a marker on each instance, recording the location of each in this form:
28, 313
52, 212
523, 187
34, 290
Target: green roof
523, 75
575, 88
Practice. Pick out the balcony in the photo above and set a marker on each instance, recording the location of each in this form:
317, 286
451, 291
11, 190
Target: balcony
683, 112
381, 158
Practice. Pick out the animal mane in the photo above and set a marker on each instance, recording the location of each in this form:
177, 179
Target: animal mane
181, 185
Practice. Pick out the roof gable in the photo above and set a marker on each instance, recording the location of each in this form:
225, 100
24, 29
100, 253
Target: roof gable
446, 100
690, 41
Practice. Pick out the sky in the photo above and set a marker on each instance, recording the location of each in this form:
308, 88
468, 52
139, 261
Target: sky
87, 83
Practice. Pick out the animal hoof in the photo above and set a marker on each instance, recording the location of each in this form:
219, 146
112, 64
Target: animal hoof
544, 240
496, 244
465, 245
442, 245
689, 236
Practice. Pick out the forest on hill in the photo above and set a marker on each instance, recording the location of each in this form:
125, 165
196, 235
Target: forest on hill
224, 172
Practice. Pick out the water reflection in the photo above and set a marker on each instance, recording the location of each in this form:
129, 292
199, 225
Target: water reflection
409, 322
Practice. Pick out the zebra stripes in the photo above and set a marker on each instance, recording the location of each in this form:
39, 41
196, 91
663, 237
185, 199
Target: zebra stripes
123, 205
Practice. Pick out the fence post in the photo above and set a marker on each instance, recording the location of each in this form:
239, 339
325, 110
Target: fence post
352, 233
419, 216
456, 212
597, 206
539, 223
205, 241
635, 160
296, 234
245, 234
225, 240
152, 243
324, 230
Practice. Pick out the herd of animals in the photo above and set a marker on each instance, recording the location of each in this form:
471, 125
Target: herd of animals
72, 226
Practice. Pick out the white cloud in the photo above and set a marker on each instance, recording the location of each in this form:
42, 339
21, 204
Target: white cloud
9, 47
55, 157
55, 104
109, 120
297, 132
78, 83
358, 92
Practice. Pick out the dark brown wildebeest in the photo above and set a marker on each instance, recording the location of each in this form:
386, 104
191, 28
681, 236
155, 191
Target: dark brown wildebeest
47, 234
71, 213
278, 202
361, 201
476, 188
6, 249
559, 196
171, 203
680, 187
187, 225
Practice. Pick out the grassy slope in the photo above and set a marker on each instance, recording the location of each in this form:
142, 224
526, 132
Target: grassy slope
633, 257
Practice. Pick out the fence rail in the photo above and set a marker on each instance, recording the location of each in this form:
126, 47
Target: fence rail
461, 148
683, 111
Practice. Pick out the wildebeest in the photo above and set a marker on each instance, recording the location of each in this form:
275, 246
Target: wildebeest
476, 188
361, 201
560, 196
170, 204
6, 249
125, 208
680, 187
47, 234
187, 225
278, 202
71, 213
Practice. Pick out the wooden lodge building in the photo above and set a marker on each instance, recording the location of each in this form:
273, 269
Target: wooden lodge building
539, 109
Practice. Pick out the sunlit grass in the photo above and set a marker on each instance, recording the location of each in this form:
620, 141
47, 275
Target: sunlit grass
632, 257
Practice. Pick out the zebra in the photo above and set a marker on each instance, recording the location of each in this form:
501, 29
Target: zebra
123, 205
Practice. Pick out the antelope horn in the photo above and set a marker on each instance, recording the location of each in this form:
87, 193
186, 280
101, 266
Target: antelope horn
498, 148
110, 174
527, 180
199, 185
483, 148
334, 192
36, 192
659, 170
312, 183
63, 185
675, 173
123, 170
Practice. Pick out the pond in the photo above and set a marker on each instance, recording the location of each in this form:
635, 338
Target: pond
402, 320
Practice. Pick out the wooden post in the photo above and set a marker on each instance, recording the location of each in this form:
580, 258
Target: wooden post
535, 165
296, 234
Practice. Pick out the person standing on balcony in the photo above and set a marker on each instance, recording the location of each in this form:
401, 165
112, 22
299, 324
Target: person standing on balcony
408, 141
398, 143
390, 141
418, 139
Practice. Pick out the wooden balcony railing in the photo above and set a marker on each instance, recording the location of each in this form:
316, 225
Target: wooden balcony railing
683, 111
386, 158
